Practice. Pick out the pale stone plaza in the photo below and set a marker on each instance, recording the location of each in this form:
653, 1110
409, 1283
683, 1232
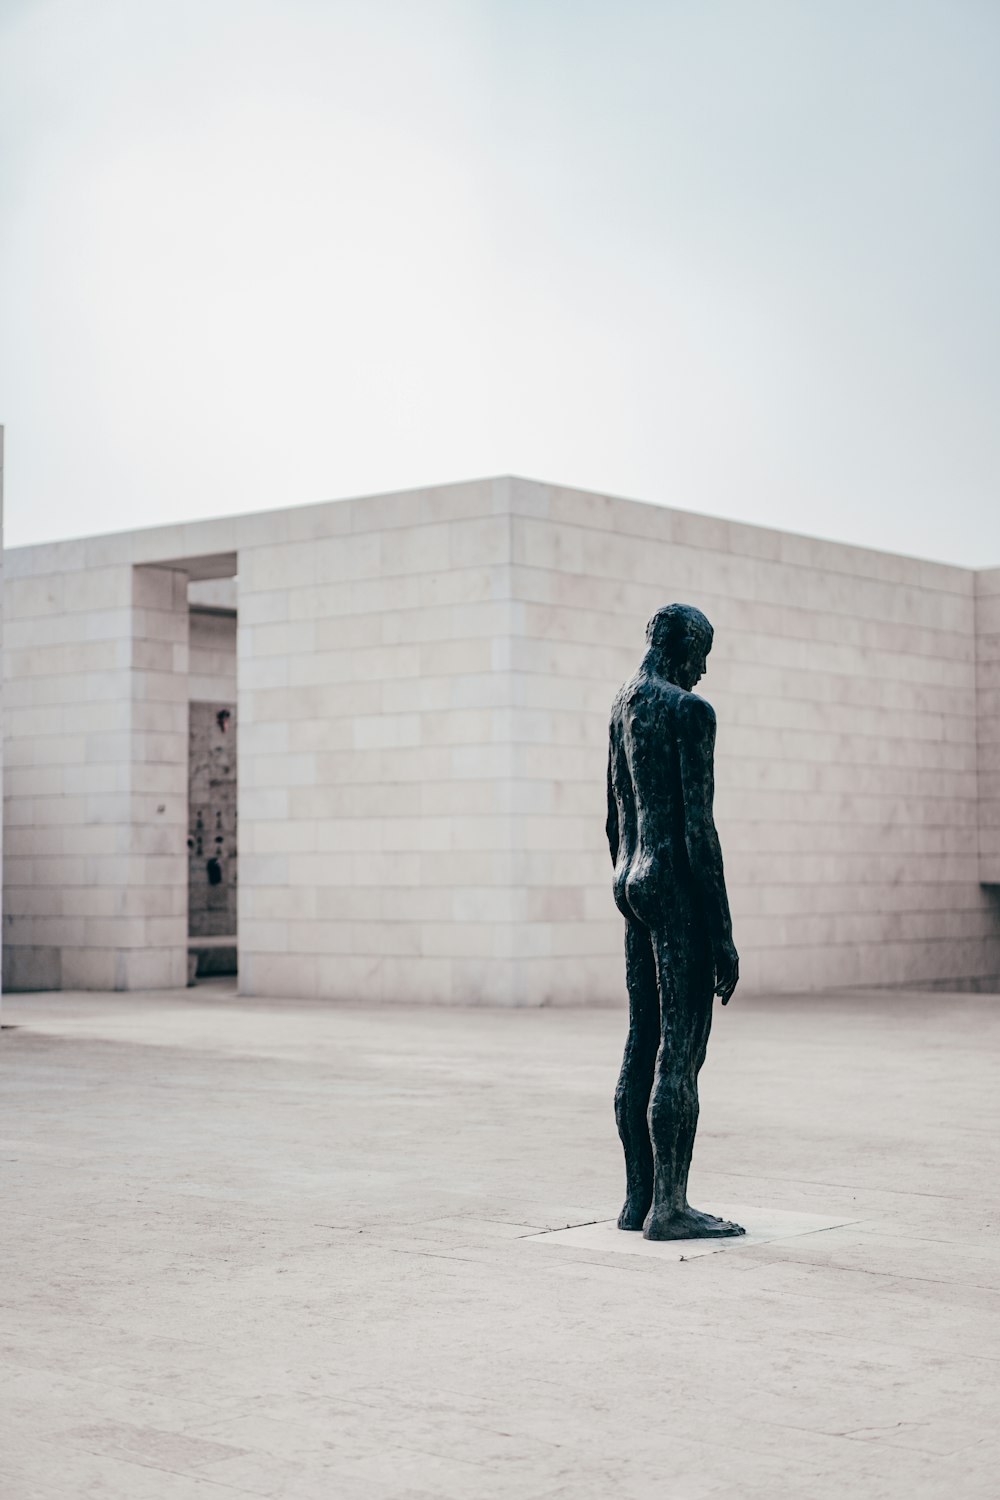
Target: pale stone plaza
290, 1250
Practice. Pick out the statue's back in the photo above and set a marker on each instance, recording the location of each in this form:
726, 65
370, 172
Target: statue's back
652, 872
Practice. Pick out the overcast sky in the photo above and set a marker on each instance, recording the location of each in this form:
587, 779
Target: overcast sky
736, 257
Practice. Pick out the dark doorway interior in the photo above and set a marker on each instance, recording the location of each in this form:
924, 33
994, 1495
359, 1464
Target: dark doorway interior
212, 846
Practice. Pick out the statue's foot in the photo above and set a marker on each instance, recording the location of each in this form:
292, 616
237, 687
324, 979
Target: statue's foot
688, 1224
633, 1215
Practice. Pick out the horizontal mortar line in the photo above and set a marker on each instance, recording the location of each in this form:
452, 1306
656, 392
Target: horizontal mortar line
961, 588
699, 548
696, 550
583, 1224
418, 609
599, 753
829, 674
553, 814
853, 943
345, 784
465, 1260
592, 679
724, 788
730, 821
874, 661
892, 714
805, 610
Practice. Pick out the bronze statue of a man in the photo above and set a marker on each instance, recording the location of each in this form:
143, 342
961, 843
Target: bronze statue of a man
669, 887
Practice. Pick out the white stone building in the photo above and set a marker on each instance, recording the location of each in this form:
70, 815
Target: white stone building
420, 685
1, 647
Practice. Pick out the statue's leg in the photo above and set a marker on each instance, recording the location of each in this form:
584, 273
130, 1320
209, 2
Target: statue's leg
636, 1079
685, 981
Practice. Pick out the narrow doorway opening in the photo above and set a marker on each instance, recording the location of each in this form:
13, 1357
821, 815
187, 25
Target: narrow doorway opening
212, 781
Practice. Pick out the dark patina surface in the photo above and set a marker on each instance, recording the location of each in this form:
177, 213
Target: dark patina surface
669, 887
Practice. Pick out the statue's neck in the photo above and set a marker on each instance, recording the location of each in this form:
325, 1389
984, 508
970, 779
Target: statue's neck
657, 663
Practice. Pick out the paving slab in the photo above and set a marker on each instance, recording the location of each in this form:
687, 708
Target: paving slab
762, 1226
298, 1250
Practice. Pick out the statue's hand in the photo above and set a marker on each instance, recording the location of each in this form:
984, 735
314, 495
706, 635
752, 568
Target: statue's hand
727, 969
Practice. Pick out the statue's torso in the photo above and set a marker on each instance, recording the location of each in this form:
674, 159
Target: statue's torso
652, 880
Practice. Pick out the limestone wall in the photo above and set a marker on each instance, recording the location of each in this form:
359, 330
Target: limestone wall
374, 701
95, 723
375, 856
423, 688
845, 686
988, 688
1, 683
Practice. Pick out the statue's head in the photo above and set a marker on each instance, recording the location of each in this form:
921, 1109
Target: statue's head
681, 637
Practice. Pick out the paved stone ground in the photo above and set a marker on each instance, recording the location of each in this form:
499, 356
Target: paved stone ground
280, 1251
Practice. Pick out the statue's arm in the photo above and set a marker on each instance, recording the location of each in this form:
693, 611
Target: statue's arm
611, 826
697, 761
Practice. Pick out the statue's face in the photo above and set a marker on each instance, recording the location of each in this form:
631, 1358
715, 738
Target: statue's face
691, 668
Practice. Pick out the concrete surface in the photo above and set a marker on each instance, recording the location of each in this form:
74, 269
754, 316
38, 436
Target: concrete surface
284, 1251
760, 1226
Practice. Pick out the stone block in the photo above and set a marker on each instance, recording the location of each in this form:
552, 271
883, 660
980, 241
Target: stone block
152, 969
453, 658
277, 639
290, 976
31, 968
418, 549
288, 565
254, 676
95, 589
321, 733
405, 981
415, 694
349, 558
479, 543
316, 522
263, 607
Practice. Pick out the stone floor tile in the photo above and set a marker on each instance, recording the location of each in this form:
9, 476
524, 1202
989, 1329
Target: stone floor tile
283, 1251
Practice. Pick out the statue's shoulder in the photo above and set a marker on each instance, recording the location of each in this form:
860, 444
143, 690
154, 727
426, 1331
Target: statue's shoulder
695, 707
646, 703
647, 692
695, 715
